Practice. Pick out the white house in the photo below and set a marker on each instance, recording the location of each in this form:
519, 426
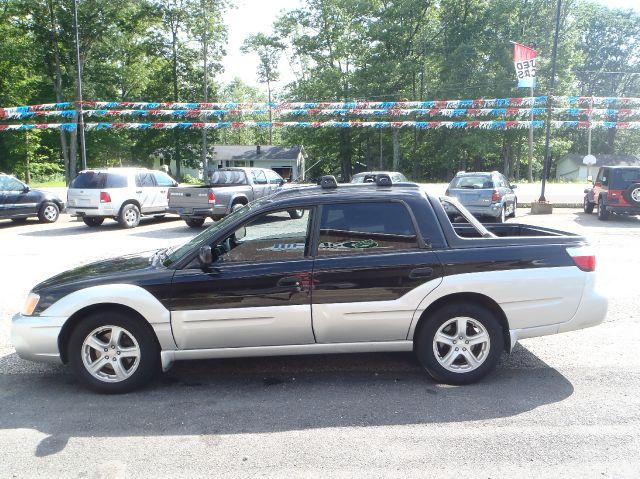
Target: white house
571, 167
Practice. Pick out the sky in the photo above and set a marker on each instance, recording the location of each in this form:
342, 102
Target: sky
253, 16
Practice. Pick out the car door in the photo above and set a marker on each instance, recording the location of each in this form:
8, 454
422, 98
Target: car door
163, 183
18, 199
145, 191
260, 184
371, 272
256, 293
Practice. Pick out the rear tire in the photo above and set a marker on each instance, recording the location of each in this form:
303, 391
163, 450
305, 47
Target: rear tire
460, 343
49, 212
93, 221
587, 206
127, 339
603, 212
195, 222
503, 215
515, 209
129, 216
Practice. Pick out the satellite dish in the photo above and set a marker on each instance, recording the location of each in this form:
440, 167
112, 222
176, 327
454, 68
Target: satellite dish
589, 160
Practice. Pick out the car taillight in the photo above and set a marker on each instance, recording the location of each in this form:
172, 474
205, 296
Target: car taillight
105, 197
613, 196
495, 196
211, 197
583, 257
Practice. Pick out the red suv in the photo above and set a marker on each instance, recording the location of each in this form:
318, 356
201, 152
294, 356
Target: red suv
616, 190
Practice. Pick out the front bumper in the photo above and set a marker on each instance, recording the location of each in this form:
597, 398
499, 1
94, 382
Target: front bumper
36, 337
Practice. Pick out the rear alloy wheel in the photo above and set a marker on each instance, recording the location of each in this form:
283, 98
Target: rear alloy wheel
195, 222
93, 221
460, 343
296, 214
112, 352
49, 212
603, 212
129, 216
587, 206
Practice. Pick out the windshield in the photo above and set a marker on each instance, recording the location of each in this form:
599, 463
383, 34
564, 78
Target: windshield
175, 254
450, 204
471, 182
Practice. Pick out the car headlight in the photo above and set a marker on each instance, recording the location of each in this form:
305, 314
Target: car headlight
30, 304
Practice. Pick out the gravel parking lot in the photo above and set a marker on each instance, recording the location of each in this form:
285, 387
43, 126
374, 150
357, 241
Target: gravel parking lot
558, 406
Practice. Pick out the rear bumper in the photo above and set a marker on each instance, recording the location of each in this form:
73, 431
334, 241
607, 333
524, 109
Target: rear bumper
93, 211
624, 209
493, 210
211, 212
36, 337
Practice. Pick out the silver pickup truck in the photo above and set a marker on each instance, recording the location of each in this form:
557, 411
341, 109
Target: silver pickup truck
228, 189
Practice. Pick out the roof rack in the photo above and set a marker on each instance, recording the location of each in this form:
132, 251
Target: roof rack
329, 182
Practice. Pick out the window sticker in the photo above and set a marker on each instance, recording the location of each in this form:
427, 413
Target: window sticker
327, 246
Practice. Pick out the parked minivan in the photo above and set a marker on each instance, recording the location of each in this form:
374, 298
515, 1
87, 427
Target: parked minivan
124, 194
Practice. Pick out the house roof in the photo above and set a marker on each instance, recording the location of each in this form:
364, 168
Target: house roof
605, 160
250, 152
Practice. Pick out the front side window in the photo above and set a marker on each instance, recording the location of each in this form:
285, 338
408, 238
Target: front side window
368, 227
259, 178
163, 179
144, 180
274, 178
273, 236
11, 184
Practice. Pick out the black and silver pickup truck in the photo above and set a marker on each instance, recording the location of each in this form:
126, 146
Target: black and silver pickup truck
373, 267
227, 190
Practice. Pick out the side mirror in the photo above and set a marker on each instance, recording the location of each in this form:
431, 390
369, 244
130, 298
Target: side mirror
281, 182
513, 187
586, 190
26, 189
241, 233
205, 255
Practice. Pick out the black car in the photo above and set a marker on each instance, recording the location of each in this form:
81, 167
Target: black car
616, 190
366, 268
19, 202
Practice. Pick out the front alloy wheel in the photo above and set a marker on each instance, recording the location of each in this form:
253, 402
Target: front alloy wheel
49, 212
113, 352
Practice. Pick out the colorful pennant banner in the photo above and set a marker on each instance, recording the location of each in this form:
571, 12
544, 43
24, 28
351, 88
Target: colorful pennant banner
596, 112
39, 126
586, 125
596, 100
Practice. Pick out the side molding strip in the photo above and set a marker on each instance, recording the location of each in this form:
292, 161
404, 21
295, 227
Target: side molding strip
169, 356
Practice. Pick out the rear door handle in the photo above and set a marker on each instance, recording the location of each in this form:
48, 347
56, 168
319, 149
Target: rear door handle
421, 273
138, 192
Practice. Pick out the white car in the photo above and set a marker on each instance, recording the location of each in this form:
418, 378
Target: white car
123, 194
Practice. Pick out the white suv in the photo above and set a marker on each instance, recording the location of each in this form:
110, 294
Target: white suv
123, 194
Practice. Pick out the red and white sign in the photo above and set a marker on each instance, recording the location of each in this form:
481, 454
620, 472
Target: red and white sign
524, 59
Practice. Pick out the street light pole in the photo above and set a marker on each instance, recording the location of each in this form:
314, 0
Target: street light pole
554, 54
83, 151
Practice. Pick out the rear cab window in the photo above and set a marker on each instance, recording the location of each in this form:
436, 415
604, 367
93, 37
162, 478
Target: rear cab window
368, 227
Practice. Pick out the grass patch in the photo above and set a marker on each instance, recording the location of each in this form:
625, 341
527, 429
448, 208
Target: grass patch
48, 184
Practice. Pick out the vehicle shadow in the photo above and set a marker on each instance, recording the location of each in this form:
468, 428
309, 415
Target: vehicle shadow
263, 395
78, 227
617, 221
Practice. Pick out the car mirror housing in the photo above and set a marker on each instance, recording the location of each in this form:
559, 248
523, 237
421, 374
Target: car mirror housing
26, 189
513, 187
205, 255
240, 233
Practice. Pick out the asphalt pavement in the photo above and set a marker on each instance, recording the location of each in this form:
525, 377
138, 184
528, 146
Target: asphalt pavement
558, 406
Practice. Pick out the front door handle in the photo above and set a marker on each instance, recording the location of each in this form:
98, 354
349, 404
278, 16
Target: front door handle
288, 281
138, 192
421, 273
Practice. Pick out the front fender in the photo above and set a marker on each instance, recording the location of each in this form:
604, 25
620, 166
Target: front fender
132, 296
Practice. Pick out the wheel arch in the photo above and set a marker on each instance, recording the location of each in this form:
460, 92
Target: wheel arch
458, 298
130, 201
78, 316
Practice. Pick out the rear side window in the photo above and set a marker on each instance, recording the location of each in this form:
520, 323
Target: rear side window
229, 177
89, 180
116, 180
471, 182
622, 179
145, 180
371, 227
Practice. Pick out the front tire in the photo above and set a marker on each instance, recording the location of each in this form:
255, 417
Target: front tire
49, 212
112, 352
587, 206
129, 216
460, 343
515, 209
195, 222
93, 221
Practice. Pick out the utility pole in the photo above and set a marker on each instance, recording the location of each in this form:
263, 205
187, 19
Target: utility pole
530, 155
83, 150
547, 138
205, 52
